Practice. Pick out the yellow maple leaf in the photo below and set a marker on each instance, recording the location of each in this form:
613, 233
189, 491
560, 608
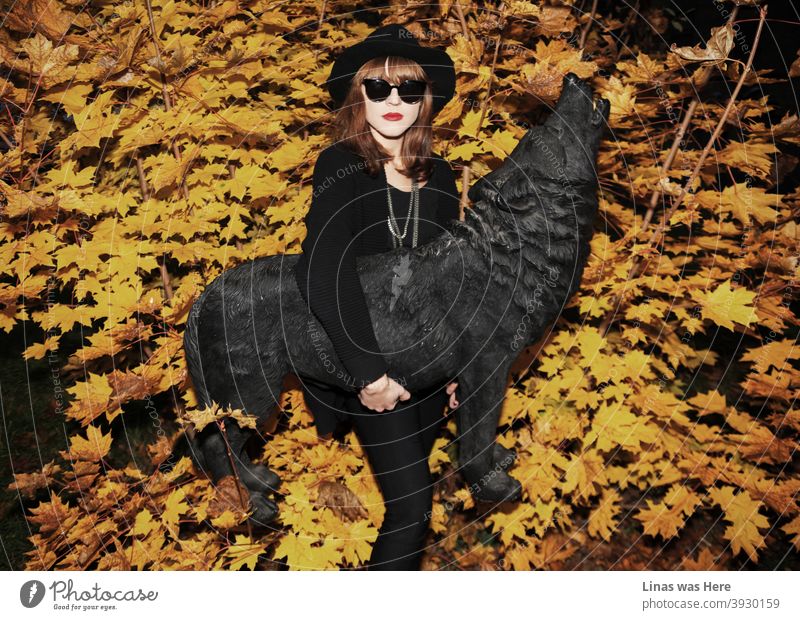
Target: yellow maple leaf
519, 557
144, 523
510, 524
742, 511
52, 63
227, 519
326, 555
201, 418
550, 365
502, 143
616, 425
601, 520
537, 471
709, 402
553, 20
357, 547
289, 155
73, 99
751, 157
465, 152
775, 354
742, 202
469, 124
515, 407
590, 343
583, 473
244, 552
622, 97
660, 520
725, 305
793, 527
296, 549
38, 350
93, 448
174, 507
92, 123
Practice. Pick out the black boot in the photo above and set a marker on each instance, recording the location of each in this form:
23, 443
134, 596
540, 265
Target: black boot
486, 477
259, 478
255, 476
493, 486
264, 509
210, 455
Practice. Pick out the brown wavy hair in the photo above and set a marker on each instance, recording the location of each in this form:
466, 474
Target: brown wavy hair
351, 130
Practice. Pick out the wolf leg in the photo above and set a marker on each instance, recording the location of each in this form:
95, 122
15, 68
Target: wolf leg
477, 418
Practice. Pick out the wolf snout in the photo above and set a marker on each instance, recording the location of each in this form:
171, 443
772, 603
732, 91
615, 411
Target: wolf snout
484, 189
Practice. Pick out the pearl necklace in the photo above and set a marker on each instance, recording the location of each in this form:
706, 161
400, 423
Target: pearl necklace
413, 212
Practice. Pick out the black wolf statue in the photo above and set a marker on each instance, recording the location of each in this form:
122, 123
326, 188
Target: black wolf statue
474, 299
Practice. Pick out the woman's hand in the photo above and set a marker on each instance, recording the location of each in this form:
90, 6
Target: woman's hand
451, 389
383, 393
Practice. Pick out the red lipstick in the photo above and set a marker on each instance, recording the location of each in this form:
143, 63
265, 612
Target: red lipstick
392, 116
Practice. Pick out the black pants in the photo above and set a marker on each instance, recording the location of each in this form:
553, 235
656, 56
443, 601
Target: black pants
398, 444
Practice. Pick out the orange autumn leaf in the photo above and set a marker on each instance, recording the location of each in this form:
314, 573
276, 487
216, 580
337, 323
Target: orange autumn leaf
93, 448
743, 513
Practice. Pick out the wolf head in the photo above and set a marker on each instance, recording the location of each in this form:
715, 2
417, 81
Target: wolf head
563, 150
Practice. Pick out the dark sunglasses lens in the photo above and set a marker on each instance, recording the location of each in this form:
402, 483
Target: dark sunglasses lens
377, 90
411, 91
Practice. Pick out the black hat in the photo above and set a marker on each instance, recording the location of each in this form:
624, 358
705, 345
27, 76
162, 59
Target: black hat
394, 40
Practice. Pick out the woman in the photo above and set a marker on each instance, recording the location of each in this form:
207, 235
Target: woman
377, 187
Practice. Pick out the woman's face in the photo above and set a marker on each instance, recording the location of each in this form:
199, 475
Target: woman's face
392, 116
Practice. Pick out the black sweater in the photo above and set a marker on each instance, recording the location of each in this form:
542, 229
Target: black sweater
347, 218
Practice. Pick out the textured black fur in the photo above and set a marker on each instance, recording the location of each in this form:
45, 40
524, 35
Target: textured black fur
473, 301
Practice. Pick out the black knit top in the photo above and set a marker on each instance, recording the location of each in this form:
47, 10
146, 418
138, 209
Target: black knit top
347, 218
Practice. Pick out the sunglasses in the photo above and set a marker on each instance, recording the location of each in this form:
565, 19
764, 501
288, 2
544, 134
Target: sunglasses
410, 91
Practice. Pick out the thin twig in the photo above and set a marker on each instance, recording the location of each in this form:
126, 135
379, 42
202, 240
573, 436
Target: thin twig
588, 25
485, 103
232, 174
464, 29
687, 117
245, 505
162, 266
164, 90
657, 233
462, 204
641, 260
623, 38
